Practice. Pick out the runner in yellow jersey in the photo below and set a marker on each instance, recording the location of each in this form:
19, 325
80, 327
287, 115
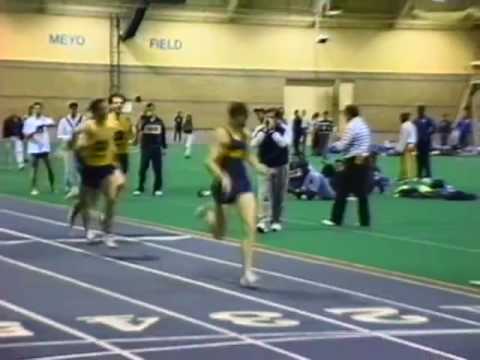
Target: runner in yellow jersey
95, 146
124, 134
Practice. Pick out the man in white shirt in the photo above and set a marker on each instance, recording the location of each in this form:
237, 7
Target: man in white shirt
407, 148
66, 128
35, 130
354, 178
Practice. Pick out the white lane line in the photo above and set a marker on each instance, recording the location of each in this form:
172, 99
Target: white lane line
69, 330
277, 274
135, 301
318, 260
281, 340
403, 278
392, 237
267, 337
82, 240
15, 242
317, 284
253, 299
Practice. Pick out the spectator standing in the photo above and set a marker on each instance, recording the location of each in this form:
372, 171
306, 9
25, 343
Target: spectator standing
445, 130
13, 132
151, 134
425, 130
407, 148
297, 129
189, 137
177, 127
66, 128
272, 138
356, 175
36, 132
465, 129
323, 130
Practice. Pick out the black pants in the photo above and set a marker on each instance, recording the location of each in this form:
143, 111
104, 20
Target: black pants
297, 142
423, 162
154, 156
36, 162
177, 135
353, 180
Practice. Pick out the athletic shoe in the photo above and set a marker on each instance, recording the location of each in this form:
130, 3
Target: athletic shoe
262, 228
249, 280
72, 193
276, 227
34, 192
137, 193
91, 237
475, 282
158, 193
206, 214
352, 198
109, 240
329, 223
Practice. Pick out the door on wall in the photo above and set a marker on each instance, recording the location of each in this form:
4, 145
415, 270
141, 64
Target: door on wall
309, 95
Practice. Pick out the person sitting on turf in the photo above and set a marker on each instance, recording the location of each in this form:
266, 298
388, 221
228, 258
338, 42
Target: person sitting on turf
307, 183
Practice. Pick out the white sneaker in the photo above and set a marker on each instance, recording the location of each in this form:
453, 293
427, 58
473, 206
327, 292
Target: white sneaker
206, 213
109, 240
276, 227
91, 237
137, 193
352, 198
475, 282
262, 228
158, 193
249, 280
34, 192
72, 193
328, 223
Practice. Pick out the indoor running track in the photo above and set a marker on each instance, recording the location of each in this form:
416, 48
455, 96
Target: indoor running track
165, 295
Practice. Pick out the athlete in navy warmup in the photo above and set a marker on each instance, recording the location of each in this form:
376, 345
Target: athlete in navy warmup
151, 136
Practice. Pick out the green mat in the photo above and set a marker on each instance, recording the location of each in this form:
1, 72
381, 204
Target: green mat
429, 238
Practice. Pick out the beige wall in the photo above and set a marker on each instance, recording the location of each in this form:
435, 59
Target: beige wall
206, 93
230, 46
392, 69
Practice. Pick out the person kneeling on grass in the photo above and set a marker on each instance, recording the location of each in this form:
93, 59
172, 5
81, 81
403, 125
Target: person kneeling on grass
306, 183
95, 145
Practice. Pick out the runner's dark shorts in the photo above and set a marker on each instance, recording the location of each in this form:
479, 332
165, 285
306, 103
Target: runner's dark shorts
93, 176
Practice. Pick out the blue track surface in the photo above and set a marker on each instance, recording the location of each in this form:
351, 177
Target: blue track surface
165, 295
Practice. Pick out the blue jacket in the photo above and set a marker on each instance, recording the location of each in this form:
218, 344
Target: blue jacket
425, 130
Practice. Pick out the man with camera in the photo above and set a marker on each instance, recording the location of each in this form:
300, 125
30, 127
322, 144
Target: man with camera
272, 138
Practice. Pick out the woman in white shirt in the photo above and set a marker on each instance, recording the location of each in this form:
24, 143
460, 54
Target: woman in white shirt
35, 130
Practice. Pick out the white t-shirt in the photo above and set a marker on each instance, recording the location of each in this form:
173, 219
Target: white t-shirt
40, 141
67, 126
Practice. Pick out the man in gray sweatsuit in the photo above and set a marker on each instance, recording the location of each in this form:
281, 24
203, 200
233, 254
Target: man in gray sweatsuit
272, 138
